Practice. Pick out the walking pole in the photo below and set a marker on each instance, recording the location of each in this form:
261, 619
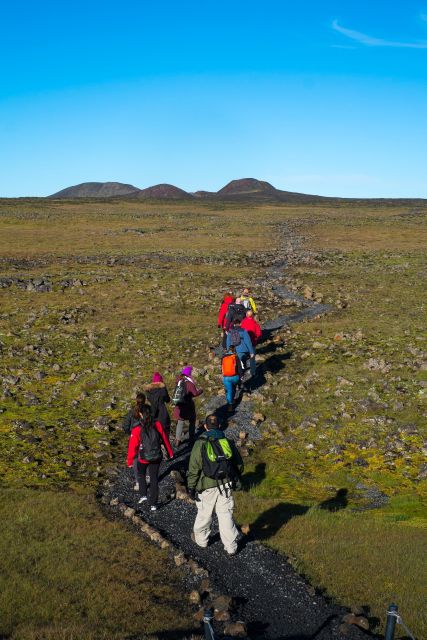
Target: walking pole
391, 622
207, 624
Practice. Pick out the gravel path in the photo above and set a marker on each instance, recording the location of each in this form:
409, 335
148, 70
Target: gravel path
274, 601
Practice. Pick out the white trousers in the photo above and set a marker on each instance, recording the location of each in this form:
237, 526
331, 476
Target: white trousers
209, 501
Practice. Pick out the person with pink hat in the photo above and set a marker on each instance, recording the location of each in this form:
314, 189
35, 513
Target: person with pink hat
157, 397
185, 408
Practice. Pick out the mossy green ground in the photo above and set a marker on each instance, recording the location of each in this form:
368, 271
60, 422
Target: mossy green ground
345, 405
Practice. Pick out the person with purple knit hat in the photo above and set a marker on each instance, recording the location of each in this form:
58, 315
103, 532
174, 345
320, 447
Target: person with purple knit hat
158, 396
185, 411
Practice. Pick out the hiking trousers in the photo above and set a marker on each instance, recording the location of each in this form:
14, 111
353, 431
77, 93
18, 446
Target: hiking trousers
180, 425
230, 384
209, 501
153, 491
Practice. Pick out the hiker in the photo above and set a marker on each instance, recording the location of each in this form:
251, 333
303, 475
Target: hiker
214, 480
240, 339
236, 312
222, 316
252, 327
158, 396
145, 445
185, 409
232, 372
247, 301
130, 421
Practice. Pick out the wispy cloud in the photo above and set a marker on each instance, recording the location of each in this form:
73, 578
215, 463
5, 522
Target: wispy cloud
370, 41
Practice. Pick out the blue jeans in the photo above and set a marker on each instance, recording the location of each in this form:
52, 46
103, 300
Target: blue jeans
230, 383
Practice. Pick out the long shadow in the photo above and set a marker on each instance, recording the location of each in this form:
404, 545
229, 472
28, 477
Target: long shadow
254, 478
338, 502
268, 523
273, 364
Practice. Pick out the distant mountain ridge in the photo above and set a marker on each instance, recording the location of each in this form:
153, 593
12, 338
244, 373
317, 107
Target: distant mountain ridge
243, 189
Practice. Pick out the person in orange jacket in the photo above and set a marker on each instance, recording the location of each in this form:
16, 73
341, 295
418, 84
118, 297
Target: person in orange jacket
145, 443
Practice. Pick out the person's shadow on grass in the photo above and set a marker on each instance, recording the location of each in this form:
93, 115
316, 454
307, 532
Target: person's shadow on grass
338, 502
269, 522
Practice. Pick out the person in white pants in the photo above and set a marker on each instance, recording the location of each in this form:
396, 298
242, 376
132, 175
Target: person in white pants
211, 497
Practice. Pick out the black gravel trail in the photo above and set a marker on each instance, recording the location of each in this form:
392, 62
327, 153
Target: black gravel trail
274, 601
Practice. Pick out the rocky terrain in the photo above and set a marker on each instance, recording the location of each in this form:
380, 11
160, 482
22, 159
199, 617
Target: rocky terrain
335, 426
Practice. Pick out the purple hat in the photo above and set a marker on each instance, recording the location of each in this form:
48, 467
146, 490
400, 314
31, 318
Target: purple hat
186, 371
156, 377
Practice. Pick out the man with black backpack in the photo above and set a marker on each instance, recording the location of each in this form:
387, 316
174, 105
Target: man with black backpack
214, 471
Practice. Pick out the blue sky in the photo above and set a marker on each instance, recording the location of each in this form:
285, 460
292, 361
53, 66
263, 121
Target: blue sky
318, 97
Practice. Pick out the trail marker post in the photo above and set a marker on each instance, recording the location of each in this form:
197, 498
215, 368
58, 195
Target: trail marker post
391, 622
207, 625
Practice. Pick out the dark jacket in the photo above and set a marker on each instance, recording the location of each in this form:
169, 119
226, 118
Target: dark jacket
129, 422
187, 410
236, 312
196, 478
157, 395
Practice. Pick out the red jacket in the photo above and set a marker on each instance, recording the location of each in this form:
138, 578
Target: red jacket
223, 310
253, 328
135, 441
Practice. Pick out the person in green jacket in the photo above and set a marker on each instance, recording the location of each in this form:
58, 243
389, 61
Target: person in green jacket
212, 497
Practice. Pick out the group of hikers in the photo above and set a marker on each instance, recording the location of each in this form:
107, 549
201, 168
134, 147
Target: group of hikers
215, 465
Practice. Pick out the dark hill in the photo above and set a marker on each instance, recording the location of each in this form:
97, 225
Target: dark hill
246, 186
96, 190
259, 190
163, 191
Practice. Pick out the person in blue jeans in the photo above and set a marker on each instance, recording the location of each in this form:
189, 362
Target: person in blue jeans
232, 371
240, 339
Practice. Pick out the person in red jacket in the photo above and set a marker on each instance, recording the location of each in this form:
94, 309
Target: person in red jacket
252, 327
228, 299
145, 443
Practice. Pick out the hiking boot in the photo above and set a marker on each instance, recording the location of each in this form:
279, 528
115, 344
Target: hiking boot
153, 507
143, 499
230, 408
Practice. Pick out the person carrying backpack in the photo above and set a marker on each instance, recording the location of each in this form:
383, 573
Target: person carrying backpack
158, 396
214, 471
236, 312
222, 316
145, 444
239, 338
129, 422
247, 301
232, 371
252, 327
185, 409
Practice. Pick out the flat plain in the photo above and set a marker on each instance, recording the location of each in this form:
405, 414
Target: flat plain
97, 294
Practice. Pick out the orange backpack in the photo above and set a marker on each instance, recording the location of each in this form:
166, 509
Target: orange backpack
229, 366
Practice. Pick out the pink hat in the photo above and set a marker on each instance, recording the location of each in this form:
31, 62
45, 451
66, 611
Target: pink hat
156, 377
186, 371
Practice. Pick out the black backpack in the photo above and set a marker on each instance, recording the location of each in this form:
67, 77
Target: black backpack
217, 461
235, 337
150, 448
180, 392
